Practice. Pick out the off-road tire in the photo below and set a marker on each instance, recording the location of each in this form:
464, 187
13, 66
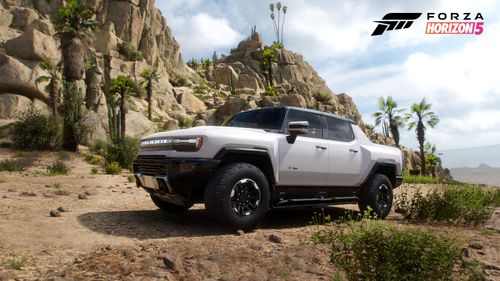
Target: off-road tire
218, 200
371, 196
169, 207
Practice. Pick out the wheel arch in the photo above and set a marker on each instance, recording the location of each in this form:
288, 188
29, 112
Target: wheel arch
386, 168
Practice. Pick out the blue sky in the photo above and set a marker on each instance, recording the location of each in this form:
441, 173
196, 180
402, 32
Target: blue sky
458, 74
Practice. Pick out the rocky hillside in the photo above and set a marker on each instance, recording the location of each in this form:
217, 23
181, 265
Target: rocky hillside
183, 96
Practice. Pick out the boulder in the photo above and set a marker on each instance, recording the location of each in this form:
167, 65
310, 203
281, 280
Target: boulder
172, 125
33, 45
44, 26
7, 33
23, 17
247, 81
6, 17
106, 40
293, 100
199, 122
226, 75
191, 103
233, 105
13, 70
127, 19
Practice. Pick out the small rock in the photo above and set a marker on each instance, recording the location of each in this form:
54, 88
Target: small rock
240, 232
62, 209
172, 262
61, 192
8, 275
89, 193
27, 194
210, 267
476, 245
275, 238
49, 195
123, 191
491, 266
465, 252
48, 185
481, 252
108, 247
55, 213
5, 196
11, 190
126, 269
296, 263
82, 196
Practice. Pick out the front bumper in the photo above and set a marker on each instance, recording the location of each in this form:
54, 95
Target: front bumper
178, 180
399, 181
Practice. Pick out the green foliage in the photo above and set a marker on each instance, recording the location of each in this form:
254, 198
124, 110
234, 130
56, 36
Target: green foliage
324, 97
270, 92
129, 51
16, 264
75, 19
374, 250
36, 130
58, 168
432, 161
75, 127
467, 203
185, 122
277, 11
94, 171
113, 168
123, 152
131, 178
57, 185
418, 179
389, 118
94, 159
10, 165
99, 147
149, 76
53, 87
202, 88
123, 85
178, 81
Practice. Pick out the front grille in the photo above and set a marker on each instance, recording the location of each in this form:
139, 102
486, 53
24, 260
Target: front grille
146, 157
150, 169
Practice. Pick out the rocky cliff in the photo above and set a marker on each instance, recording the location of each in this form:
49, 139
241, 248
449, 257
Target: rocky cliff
183, 96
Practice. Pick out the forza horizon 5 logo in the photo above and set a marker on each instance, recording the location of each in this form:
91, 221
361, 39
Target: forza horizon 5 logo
437, 23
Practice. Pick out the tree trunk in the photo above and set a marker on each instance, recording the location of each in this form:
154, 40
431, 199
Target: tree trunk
122, 116
73, 54
395, 133
149, 99
54, 96
421, 140
270, 74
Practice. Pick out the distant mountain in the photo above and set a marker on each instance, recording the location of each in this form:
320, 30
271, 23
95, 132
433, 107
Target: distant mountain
471, 157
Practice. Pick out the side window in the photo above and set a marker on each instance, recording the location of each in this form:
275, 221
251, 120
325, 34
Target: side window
315, 128
339, 130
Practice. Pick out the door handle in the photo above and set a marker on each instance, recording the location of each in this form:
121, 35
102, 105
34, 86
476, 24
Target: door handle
354, 150
321, 147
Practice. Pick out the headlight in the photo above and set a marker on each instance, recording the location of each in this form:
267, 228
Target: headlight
177, 144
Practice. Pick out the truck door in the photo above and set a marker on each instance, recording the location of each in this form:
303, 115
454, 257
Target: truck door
345, 154
305, 162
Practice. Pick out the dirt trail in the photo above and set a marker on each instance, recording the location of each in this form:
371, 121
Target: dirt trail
118, 233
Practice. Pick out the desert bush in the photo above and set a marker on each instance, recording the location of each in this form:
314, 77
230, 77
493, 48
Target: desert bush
36, 130
113, 168
178, 81
418, 179
10, 165
58, 168
131, 178
94, 171
467, 203
129, 51
99, 147
63, 155
185, 122
324, 97
375, 250
123, 152
270, 92
94, 159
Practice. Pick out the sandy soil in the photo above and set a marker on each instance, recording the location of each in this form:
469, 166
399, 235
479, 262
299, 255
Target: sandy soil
118, 233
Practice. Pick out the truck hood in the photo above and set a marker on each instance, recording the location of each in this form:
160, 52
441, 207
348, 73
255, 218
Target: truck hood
206, 131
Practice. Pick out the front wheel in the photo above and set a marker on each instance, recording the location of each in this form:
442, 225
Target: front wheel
169, 207
377, 194
237, 195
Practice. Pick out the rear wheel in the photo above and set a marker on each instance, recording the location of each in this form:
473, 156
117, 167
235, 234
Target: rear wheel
237, 196
377, 195
169, 207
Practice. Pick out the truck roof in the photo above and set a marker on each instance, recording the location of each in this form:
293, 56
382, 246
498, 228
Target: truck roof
311, 111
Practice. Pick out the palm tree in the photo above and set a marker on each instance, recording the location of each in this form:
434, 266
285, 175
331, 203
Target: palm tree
150, 75
53, 87
122, 86
74, 26
419, 118
389, 117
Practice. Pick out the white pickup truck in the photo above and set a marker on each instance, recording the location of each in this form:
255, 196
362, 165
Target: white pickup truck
267, 158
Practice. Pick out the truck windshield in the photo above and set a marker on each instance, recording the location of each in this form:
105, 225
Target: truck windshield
265, 118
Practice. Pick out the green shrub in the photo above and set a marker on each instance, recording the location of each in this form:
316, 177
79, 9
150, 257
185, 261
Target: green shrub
94, 159
57, 185
94, 171
185, 122
324, 97
99, 147
178, 81
113, 168
374, 250
63, 155
36, 131
58, 168
21, 154
124, 152
270, 92
131, 178
16, 264
129, 51
10, 165
418, 179
468, 203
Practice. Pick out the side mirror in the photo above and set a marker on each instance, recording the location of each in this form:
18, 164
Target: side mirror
297, 128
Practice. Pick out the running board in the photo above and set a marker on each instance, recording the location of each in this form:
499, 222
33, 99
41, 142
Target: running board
285, 203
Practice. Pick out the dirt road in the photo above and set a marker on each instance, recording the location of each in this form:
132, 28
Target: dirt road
111, 230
